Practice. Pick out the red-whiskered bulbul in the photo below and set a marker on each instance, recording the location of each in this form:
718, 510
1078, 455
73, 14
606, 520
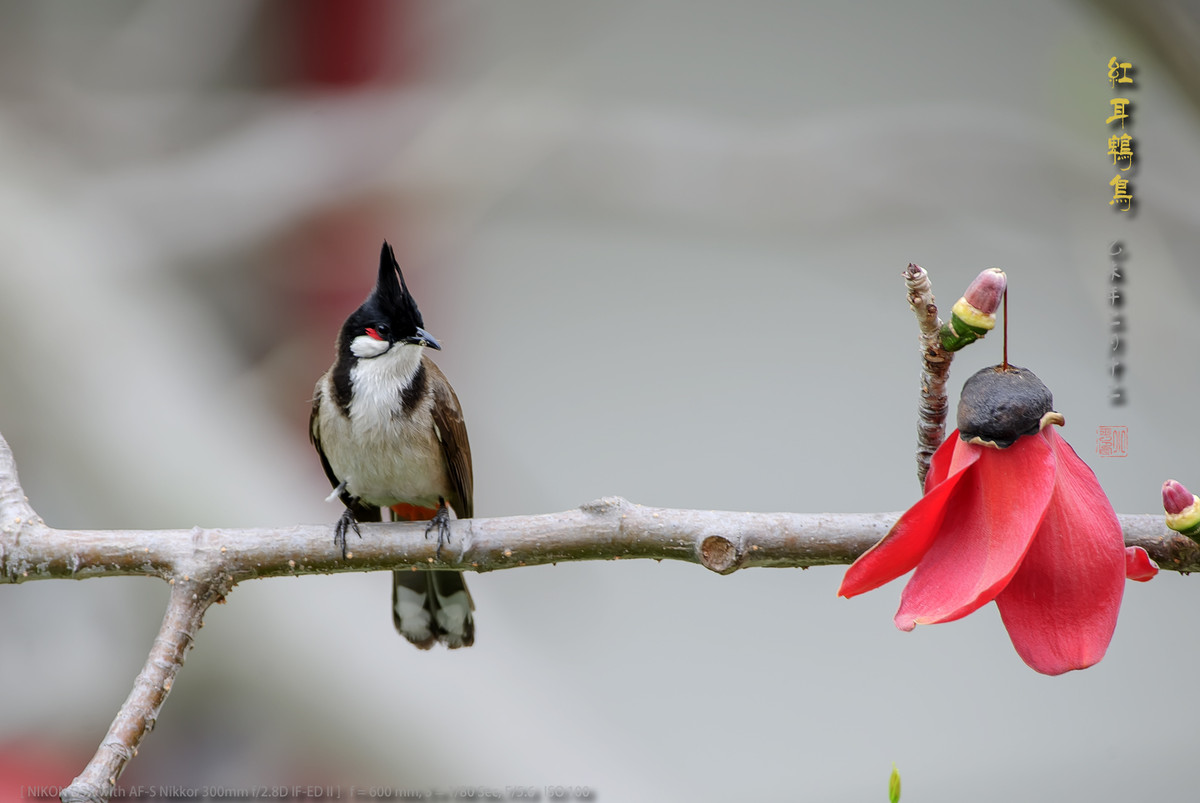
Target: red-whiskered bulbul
390, 433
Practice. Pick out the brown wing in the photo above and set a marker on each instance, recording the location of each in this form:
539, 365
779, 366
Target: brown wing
452, 432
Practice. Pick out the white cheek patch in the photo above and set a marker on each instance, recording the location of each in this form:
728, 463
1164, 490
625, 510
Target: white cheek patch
365, 346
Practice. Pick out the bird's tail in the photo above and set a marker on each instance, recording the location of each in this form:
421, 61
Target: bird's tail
431, 605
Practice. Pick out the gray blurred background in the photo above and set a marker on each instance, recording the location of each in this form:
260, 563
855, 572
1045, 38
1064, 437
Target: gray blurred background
661, 244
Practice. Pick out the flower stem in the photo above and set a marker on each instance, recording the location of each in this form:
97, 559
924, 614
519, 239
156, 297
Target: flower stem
1005, 360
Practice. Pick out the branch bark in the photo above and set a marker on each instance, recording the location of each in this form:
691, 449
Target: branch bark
189, 600
606, 529
935, 368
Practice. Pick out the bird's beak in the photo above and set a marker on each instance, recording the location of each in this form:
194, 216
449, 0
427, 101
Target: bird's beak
423, 338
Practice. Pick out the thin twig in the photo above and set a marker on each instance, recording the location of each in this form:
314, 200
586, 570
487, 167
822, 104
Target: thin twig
15, 511
935, 368
188, 602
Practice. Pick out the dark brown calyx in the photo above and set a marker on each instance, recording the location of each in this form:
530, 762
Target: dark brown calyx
1000, 404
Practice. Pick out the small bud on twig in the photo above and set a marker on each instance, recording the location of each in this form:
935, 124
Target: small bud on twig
894, 786
1183, 509
974, 315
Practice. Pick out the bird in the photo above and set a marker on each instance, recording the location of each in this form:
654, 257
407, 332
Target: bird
390, 433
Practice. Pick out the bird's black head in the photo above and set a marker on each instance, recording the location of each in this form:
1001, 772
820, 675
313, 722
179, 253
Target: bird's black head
388, 317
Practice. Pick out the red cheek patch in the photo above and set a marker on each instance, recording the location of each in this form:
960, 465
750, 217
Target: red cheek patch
372, 333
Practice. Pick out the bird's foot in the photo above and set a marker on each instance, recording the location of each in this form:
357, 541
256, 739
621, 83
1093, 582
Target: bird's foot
345, 523
440, 521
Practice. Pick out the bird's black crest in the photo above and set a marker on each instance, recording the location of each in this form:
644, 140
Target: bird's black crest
390, 308
392, 296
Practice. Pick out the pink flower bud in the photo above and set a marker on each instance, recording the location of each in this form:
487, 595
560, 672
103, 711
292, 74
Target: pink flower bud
1176, 498
985, 292
1183, 509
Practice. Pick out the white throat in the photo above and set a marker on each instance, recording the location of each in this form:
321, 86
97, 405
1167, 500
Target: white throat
377, 381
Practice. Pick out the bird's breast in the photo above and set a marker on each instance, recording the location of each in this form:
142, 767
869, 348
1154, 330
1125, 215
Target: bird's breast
385, 453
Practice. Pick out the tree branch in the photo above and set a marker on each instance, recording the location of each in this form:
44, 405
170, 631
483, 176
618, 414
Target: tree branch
935, 368
606, 529
188, 603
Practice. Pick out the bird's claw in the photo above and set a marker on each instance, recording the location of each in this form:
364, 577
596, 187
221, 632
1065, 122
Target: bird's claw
346, 522
440, 521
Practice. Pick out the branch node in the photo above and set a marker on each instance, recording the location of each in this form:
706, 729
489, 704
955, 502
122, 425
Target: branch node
124, 751
719, 554
605, 505
87, 793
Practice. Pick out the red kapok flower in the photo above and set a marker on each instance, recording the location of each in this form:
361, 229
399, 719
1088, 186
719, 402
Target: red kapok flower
1011, 514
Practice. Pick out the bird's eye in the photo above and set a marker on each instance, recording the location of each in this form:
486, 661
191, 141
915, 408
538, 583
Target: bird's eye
379, 332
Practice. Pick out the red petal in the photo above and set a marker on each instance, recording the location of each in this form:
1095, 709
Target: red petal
939, 464
1138, 565
988, 526
1061, 607
899, 551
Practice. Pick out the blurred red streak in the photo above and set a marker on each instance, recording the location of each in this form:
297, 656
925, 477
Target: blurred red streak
348, 43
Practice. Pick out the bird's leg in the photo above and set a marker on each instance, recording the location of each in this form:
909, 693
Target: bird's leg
345, 523
440, 520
